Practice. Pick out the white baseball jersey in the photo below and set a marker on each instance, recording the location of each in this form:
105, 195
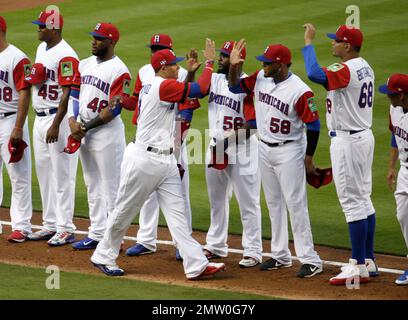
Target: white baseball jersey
399, 126
155, 124
100, 81
281, 108
61, 63
14, 65
227, 110
350, 95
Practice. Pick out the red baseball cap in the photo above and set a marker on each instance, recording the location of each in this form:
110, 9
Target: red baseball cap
72, 145
3, 24
164, 57
37, 74
162, 40
276, 53
397, 83
106, 30
16, 151
227, 48
51, 19
347, 34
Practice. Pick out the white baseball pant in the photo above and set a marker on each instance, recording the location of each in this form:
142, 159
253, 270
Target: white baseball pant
101, 156
143, 172
56, 173
352, 158
20, 176
401, 198
149, 214
247, 188
284, 183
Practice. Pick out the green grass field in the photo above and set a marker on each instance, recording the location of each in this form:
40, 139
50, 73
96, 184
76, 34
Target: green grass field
30, 283
260, 22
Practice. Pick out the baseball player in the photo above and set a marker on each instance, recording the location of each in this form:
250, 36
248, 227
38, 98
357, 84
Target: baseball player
350, 99
149, 165
283, 104
397, 91
14, 136
227, 112
149, 214
52, 76
101, 77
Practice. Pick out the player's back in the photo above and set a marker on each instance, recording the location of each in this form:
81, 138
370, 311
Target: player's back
156, 118
350, 107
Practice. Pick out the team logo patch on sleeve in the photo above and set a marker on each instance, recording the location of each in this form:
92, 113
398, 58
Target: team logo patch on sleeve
27, 69
335, 67
67, 69
126, 86
312, 104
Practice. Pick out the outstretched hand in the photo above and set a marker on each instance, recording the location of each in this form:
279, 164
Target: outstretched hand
310, 33
235, 56
192, 63
209, 52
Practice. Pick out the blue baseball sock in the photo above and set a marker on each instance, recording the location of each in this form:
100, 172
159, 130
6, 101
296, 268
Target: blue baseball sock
358, 236
369, 251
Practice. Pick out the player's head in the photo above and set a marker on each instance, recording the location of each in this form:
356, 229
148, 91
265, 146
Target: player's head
346, 40
50, 25
3, 26
276, 60
396, 89
165, 63
105, 37
225, 51
160, 42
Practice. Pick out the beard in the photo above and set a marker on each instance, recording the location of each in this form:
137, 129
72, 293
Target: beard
101, 52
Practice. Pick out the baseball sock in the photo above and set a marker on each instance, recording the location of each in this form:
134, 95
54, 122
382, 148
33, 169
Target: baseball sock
369, 251
358, 236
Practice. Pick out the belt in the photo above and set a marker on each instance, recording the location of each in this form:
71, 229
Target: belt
6, 114
47, 112
333, 133
160, 151
276, 144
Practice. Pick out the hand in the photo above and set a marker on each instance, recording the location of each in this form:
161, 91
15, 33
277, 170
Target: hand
310, 32
310, 167
16, 136
391, 178
114, 101
209, 52
77, 130
181, 170
52, 134
192, 62
235, 56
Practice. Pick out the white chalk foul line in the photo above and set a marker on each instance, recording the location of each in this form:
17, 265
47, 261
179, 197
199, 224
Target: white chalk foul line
165, 242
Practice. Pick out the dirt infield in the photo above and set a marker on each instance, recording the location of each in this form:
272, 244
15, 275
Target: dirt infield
9, 6
162, 267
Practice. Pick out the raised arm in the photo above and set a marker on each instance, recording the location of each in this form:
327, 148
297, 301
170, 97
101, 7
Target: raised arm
236, 64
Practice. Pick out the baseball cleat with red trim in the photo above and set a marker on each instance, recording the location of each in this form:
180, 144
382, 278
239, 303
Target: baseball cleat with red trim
211, 269
351, 274
17, 236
